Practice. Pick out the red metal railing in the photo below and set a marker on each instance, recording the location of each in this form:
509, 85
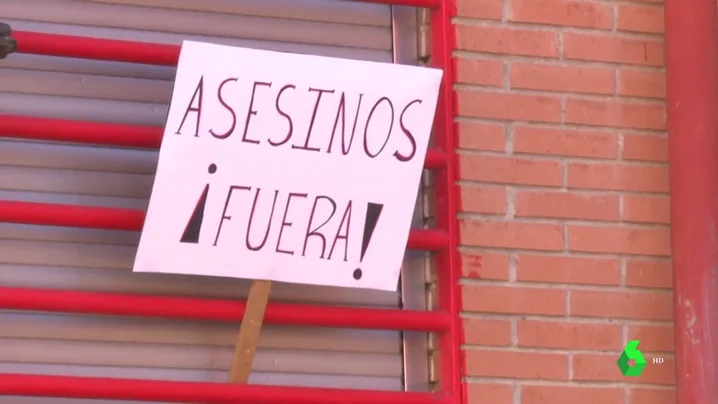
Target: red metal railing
92, 217
219, 310
114, 134
441, 240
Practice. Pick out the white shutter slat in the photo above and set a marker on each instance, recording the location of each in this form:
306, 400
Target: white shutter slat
172, 356
201, 333
121, 280
218, 376
282, 28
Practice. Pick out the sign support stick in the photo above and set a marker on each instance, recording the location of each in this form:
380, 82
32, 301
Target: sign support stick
249, 331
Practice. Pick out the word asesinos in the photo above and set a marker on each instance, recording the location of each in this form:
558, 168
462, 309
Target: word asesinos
282, 94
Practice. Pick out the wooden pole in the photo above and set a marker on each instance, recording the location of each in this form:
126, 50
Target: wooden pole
249, 331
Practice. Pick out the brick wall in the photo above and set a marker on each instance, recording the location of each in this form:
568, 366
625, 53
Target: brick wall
564, 200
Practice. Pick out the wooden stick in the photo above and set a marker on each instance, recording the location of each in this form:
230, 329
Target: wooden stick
249, 331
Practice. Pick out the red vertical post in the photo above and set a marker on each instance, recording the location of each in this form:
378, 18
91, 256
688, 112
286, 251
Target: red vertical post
692, 90
442, 44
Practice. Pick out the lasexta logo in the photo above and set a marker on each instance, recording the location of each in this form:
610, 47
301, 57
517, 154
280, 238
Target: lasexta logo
631, 353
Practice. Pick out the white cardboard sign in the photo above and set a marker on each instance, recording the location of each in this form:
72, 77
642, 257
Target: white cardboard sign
288, 167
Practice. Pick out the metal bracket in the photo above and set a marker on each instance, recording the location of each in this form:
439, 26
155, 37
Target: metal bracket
7, 44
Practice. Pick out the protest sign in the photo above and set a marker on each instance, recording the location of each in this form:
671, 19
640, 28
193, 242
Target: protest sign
285, 167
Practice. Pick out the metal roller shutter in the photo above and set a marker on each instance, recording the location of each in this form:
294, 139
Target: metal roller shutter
98, 260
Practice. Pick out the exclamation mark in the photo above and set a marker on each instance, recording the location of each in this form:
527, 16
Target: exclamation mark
373, 211
194, 224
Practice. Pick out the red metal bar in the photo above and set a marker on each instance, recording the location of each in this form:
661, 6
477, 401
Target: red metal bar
443, 43
113, 134
692, 88
92, 217
96, 133
63, 301
96, 48
194, 392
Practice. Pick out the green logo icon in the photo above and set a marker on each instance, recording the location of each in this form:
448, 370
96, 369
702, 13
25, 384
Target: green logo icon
631, 352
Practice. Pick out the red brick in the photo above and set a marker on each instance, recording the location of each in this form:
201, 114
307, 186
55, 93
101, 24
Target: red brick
651, 395
640, 18
624, 177
565, 205
619, 240
627, 305
645, 148
649, 273
484, 265
487, 332
642, 83
480, 9
565, 142
568, 269
654, 338
602, 368
589, 80
567, 13
563, 335
489, 393
505, 106
618, 114
480, 72
510, 170
514, 300
611, 49
481, 136
646, 209
508, 41
571, 395
530, 236
516, 365
483, 199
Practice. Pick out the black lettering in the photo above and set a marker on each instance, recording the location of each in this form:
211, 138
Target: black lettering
285, 223
366, 127
232, 188
409, 135
315, 232
311, 122
346, 218
222, 101
198, 109
285, 115
251, 112
341, 114
269, 221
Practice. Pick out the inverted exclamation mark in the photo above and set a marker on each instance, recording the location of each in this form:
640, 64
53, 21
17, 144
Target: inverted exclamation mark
373, 211
194, 224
